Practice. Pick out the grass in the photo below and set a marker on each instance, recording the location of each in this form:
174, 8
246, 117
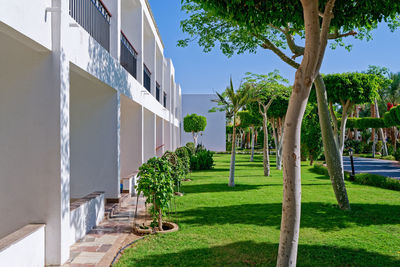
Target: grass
222, 226
377, 156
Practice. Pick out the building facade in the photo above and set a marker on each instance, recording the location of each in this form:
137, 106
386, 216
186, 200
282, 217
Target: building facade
86, 97
213, 138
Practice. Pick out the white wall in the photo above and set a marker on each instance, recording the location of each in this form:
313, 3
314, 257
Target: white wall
34, 141
94, 137
85, 217
160, 144
131, 137
214, 135
149, 135
25, 247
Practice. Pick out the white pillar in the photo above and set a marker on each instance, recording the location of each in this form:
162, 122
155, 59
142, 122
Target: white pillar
114, 6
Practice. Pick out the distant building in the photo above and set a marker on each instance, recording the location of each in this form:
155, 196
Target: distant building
213, 138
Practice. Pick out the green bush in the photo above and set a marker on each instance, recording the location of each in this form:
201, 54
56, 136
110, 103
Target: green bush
157, 186
363, 178
377, 181
183, 154
177, 167
356, 145
378, 146
202, 160
396, 154
191, 147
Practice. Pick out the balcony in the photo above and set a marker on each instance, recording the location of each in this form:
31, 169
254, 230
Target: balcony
94, 17
128, 58
146, 78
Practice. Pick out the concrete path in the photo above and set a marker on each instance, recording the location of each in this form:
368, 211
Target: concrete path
99, 247
382, 167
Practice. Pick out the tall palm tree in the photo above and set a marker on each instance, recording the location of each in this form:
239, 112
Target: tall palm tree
232, 101
392, 92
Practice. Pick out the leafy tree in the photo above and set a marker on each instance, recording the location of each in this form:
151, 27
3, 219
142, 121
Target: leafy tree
194, 124
232, 102
249, 120
349, 89
157, 186
243, 25
265, 88
311, 138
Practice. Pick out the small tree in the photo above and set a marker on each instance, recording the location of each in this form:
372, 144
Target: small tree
349, 89
194, 124
249, 120
157, 186
178, 170
232, 102
265, 89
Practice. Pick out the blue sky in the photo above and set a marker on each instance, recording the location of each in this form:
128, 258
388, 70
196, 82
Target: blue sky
199, 72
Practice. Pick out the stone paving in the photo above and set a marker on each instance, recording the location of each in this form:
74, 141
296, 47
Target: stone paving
99, 246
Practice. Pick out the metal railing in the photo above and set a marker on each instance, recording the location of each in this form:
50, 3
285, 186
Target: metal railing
158, 91
128, 58
94, 17
146, 78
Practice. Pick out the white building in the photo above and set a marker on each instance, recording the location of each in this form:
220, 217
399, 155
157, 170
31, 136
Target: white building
213, 138
86, 96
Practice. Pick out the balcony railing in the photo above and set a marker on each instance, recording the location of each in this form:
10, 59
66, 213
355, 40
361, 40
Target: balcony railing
128, 57
165, 99
94, 17
146, 78
158, 91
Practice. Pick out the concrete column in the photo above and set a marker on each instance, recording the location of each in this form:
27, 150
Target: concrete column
140, 60
114, 6
154, 63
149, 138
131, 137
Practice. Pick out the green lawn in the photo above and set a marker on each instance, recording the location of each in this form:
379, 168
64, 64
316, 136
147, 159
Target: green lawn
222, 226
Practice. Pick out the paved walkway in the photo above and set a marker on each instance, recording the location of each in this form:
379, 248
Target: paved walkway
386, 168
99, 246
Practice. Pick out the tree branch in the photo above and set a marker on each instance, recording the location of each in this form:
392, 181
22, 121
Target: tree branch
337, 35
267, 44
296, 50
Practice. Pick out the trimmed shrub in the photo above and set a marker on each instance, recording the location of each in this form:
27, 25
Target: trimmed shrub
202, 160
378, 146
377, 181
363, 178
356, 145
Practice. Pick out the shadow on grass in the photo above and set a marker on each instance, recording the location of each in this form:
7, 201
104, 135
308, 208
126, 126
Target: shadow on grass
322, 216
249, 253
211, 188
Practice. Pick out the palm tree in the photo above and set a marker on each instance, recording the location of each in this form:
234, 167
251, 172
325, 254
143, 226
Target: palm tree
232, 102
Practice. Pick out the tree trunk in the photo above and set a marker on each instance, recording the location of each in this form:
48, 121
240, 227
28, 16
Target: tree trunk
233, 154
265, 148
333, 157
384, 147
373, 130
252, 144
311, 160
342, 133
356, 132
160, 219
195, 139
291, 204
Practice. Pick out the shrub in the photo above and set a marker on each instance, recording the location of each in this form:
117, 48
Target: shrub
157, 186
191, 147
183, 154
202, 160
356, 145
396, 154
177, 168
378, 146
364, 178
377, 181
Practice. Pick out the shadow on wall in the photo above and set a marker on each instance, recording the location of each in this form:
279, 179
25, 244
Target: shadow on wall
249, 253
85, 217
318, 215
103, 66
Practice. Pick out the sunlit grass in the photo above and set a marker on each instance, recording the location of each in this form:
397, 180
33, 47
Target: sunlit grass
222, 226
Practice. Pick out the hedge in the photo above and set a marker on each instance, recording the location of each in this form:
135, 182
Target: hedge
363, 178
